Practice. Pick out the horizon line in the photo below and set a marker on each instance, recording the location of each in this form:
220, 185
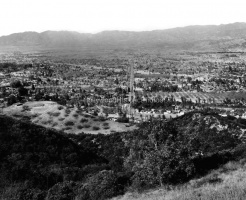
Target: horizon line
136, 31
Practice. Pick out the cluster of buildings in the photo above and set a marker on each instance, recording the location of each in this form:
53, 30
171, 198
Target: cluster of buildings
89, 83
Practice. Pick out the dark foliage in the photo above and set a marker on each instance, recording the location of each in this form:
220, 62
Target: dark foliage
38, 155
54, 165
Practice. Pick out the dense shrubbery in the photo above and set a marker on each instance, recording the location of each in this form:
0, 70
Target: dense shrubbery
39, 157
173, 152
87, 166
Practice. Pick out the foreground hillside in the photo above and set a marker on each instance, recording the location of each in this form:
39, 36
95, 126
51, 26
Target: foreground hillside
226, 183
187, 154
70, 120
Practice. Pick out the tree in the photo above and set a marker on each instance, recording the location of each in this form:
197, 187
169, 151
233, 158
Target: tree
158, 155
16, 84
11, 100
23, 91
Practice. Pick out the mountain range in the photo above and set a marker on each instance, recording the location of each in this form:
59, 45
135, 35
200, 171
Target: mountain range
226, 37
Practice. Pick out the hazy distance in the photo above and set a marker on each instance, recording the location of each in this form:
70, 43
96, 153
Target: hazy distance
91, 16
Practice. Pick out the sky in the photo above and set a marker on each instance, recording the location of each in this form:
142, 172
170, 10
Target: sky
92, 16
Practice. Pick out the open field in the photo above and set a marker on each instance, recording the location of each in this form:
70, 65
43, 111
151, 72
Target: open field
70, 120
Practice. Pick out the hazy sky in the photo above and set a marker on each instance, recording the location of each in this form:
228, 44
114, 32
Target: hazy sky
98, 15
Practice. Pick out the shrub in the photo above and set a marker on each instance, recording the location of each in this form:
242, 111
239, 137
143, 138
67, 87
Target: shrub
103, 185
56, 114
60, 107
69, 123
105, 124
67, 128
26, 108
76, 115
44, 122
87, 126
54, 124
123, 120
61, 119
49, 121
79, 126
35, 115
96, 128
101, 118
78, 111
83, 120
62, 191
67, 111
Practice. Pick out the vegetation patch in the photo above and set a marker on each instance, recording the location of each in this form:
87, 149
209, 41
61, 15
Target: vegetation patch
67, 111
80, 127
26, 108
87, 126
75, 115
69, 123
60, 107
54, 124
83, 120
105, 124
101, 119
56, 114
96, 128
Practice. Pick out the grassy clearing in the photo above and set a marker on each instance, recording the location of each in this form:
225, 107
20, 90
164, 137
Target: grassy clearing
53, 115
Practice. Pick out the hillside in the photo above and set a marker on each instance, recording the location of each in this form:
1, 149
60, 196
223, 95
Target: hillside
226, 183
228, 37
33, 159
193, 156
185, 154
